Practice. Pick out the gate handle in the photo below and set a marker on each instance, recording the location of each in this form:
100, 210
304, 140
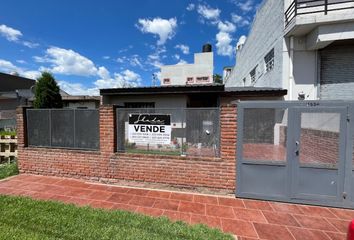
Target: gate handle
297, 149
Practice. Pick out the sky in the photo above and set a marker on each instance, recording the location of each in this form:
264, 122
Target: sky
89, 45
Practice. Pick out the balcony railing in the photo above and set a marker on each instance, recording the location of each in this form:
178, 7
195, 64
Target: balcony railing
302, 7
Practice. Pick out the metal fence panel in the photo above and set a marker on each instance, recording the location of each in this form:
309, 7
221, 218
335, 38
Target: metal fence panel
63, 128
87, 129
194, 132
38, 127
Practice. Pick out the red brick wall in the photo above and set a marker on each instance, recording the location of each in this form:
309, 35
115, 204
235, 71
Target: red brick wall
107, 165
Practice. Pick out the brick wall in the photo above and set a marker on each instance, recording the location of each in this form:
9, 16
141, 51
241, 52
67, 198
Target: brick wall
107, 165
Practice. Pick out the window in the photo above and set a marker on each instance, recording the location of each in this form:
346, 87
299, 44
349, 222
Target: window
253, 75
139, 105
244, 81
190, 80
202, 79
166, 81
269, 61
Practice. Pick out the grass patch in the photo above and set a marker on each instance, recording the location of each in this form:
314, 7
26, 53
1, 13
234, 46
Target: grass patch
8, 133
24, 218
8, 169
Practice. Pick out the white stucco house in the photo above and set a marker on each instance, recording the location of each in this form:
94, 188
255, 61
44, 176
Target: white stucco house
306, 47
199, 72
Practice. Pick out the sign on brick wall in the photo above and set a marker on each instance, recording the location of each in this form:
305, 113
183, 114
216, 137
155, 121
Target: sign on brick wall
149, 128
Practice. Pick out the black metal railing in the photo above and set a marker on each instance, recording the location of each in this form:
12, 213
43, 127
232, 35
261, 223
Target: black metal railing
301, 7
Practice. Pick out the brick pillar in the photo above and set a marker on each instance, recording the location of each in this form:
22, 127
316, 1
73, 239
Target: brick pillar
228, 129
21, 134
107, 130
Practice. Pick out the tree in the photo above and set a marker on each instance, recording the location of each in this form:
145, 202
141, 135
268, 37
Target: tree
217, 79
47, 92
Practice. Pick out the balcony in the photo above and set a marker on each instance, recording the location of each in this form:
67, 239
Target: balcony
302, 16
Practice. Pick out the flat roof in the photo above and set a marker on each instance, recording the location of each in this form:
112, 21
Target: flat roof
193, 89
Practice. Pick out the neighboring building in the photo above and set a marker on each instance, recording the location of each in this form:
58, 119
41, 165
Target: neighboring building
306, 47
200, 72
81, 102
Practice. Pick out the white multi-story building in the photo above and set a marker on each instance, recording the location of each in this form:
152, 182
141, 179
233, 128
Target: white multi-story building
199, 72
306, 47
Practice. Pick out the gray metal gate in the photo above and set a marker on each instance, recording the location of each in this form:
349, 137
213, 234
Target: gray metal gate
296, 152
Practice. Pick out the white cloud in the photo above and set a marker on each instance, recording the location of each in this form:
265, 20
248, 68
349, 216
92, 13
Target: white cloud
106, 57
154, 59
67, 62
121, 59
30, 44
191, 7
226, 26
176, 56
164, 28
103, 72
7, 66
182, 62
223, 45
21, 61
183, 48
239, 20
246, 5
135, 61
211, 14
126, 78
9, 33
77, 89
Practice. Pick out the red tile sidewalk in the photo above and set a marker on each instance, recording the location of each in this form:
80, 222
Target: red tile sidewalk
247, 219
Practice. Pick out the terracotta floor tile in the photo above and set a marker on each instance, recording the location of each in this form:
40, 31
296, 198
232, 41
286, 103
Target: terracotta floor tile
220, 211
285, 207
189, 207
101, 204
231, 202
307, 234
280, 218
79, 201
80, 193
205, 199
124, 207
340, 225
315, 211
252, 215
100, 195
177, 216
142, 201
118, 189
336, 236
166, 204
120, 198
254, 204
210, 221
149, 211
181, 196
314, 223
344, 214
140, 192
159, 194
272, 232
42, 196
59, 198
100, 187
73, 183
6, 190
238, 227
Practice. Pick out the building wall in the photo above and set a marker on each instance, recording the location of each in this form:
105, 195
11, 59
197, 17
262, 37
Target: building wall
266, 33
86, 104
202, 67
108, 166
167, 101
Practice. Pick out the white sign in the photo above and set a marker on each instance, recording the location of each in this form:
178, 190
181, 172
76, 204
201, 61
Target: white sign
149, 128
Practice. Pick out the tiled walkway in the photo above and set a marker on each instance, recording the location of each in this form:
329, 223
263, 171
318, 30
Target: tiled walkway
248, 219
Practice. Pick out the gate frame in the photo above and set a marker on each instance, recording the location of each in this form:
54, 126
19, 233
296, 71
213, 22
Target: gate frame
311, 104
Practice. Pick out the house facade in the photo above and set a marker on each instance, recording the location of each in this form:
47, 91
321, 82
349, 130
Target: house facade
306, 47
199, 72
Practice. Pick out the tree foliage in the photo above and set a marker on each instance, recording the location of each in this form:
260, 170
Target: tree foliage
47, 92
217, 78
